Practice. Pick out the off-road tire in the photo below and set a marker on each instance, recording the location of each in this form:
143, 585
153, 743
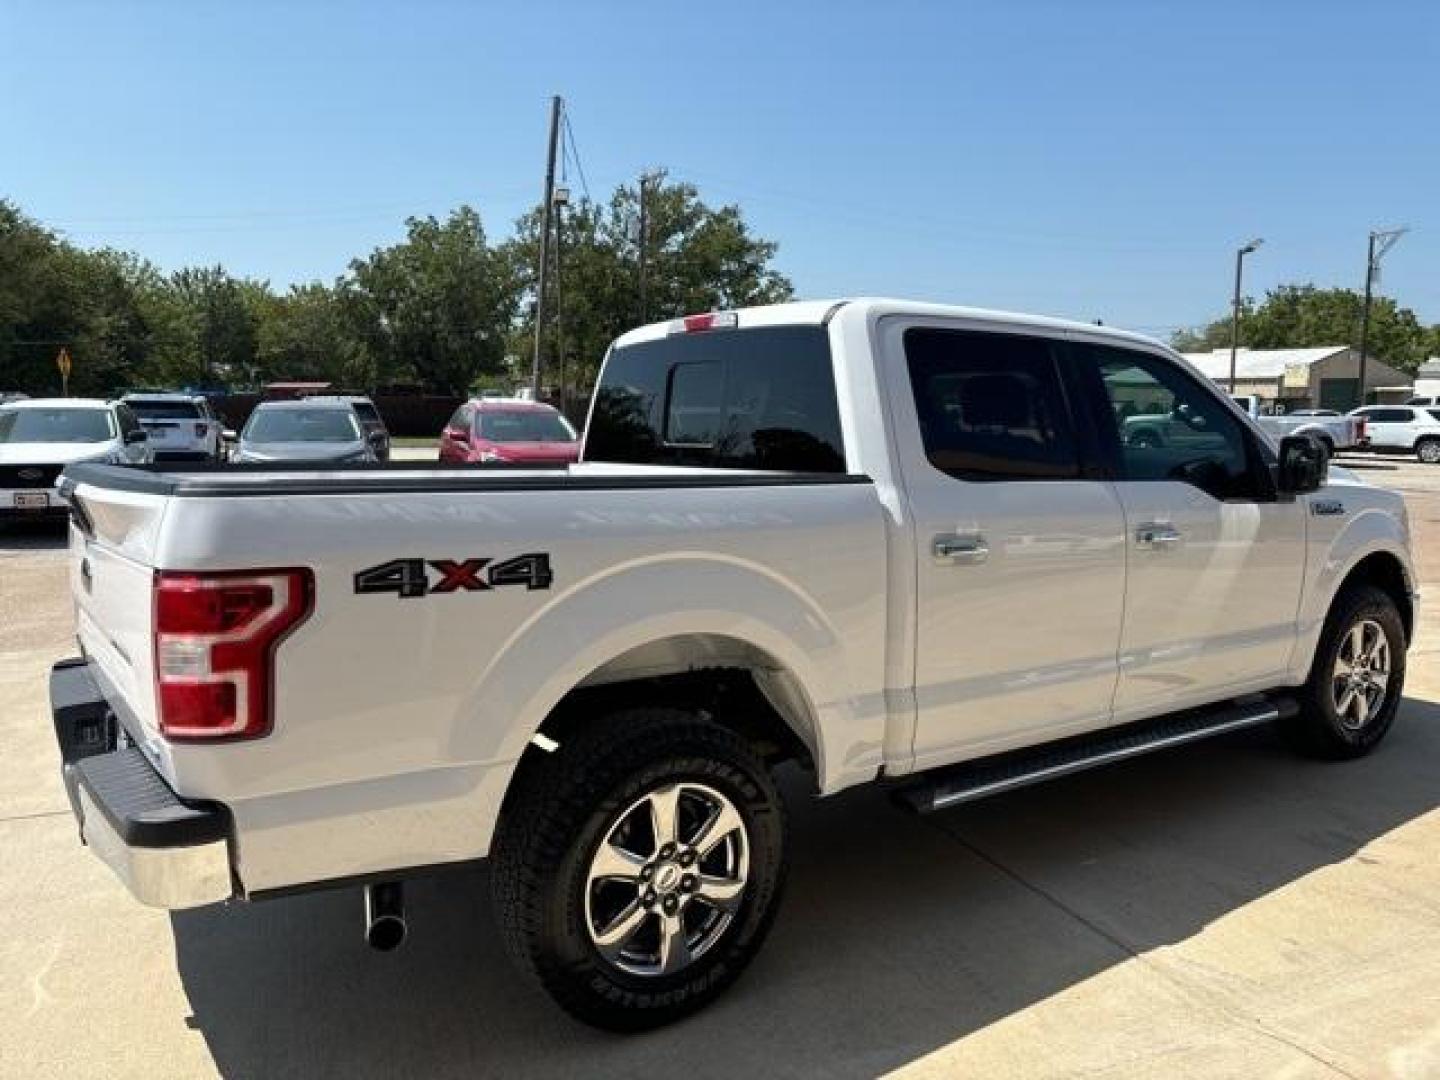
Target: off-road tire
1318, 730
563, 807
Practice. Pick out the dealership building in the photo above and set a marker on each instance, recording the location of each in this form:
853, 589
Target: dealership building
1327, 377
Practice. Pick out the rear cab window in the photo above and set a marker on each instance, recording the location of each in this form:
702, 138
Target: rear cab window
760, 398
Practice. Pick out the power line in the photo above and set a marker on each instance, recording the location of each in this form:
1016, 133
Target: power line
574, 150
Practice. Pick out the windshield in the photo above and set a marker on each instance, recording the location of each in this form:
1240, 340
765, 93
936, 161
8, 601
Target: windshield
164, 410
523, 426
55, 425
302, 425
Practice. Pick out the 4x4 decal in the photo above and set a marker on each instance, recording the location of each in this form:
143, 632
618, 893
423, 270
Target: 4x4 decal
412, 578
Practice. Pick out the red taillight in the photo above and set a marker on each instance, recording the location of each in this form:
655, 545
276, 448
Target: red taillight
201, 430
215, 641
1359, 428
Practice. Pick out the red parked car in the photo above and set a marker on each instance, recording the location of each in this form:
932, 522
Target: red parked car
491, 430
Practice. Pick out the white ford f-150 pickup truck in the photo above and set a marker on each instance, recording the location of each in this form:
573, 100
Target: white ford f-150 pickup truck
888, 541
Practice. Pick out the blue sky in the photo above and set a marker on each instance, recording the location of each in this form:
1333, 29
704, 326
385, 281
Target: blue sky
1095, 160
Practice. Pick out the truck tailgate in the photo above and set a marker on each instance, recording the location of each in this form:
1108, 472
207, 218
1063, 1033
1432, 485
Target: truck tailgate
112, 547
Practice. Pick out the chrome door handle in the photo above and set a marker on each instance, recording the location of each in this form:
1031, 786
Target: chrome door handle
1157, 537
954, 550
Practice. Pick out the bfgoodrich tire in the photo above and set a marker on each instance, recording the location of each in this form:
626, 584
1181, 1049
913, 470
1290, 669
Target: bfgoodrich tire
1348, 703
637, 869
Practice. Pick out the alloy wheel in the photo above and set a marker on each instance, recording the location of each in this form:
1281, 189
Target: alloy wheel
667, 879
1361, 676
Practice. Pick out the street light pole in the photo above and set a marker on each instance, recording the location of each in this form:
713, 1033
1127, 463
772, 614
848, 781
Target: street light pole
1235, 304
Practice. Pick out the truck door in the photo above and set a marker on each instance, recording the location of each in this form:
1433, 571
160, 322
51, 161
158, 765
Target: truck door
1021, 554
1215, 557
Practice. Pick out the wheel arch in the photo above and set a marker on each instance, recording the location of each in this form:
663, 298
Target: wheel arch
1371, 549
692, 628
1384, 571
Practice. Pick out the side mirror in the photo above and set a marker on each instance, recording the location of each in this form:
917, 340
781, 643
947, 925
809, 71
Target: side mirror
377, 439
459, 434
139, 435
1304, 464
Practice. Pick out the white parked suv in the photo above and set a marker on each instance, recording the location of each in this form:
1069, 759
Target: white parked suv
1403, 428
40, 436
181, 426
888, 541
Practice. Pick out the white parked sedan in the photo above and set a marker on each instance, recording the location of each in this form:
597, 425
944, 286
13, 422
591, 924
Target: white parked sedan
39, 437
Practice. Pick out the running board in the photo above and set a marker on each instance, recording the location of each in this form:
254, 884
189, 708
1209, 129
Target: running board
979, 779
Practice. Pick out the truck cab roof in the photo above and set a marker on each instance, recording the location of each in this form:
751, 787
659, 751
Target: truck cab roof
820, 312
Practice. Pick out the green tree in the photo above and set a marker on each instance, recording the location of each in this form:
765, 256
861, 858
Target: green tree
311, 333
699, 259
54, 295
435, 308
1301, 316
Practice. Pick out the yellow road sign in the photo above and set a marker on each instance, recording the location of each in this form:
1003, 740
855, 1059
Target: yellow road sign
63, 363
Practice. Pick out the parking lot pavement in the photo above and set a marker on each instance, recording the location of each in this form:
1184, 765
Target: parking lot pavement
1225, 910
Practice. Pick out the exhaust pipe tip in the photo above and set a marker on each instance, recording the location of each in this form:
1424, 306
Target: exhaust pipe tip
386, 933
385, 925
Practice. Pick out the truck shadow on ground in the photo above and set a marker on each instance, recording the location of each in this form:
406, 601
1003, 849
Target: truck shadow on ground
898, 935
44, 535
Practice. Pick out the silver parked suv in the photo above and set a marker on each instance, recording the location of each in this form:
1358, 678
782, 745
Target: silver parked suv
181, 426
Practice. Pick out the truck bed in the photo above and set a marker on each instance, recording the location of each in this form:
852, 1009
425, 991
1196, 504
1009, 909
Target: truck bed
398, 716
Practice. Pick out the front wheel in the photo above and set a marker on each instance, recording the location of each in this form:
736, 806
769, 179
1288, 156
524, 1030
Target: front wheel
1428, 451
638, 868
1356, 679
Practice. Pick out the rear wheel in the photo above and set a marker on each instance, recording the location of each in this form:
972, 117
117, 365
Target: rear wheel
638, 868
1428, 451
1350, 699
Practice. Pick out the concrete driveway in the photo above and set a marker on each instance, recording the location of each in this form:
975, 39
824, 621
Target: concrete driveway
1226, 910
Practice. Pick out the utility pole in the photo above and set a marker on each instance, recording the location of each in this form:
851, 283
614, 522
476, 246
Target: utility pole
1235, 304
1387, 239
555, 105
644, 245
646, 179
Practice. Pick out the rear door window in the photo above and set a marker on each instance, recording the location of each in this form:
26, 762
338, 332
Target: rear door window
990, 406
1388, 416
762, 398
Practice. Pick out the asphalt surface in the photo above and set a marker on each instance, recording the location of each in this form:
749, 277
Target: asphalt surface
1225, 910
